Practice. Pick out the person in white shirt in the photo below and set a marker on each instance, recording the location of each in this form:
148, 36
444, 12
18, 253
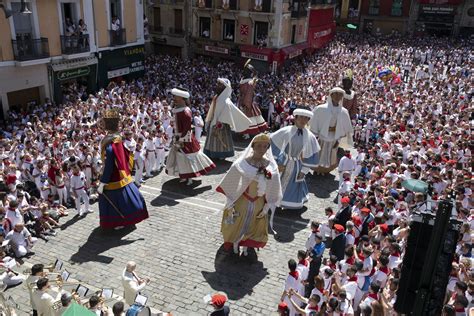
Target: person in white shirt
139, 157
37, 272
132, 284
346, 164
43, 300
150, 155
78, 189
20, 240
159, 141
198, 125
13, 216
9, 277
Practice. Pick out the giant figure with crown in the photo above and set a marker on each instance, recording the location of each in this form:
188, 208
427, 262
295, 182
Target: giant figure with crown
120, 202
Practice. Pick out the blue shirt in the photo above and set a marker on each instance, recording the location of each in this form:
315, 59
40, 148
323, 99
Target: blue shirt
318, 249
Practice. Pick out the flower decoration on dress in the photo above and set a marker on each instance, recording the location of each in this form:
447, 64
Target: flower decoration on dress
267, 174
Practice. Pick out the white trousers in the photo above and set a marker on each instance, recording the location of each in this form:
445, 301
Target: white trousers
88, 173
160, 158
81, 195
150, 163
198, 131
62, 193
138, 171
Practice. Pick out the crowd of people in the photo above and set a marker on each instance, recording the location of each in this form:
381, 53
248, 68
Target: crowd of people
414, 128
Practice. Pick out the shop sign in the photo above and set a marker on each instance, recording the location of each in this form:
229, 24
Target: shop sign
137, 66
73, 73
118, 72
438, 10
295, 53
216, 49
322, 33
134, 51
254, 56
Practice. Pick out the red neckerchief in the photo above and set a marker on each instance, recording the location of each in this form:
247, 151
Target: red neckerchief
12, 209
350, 260
333, 266
314, 308
304, 262
395, 254
76, 174
375, 296
350, 233
460, 310
295, 274
361, 256
384, 270
353, 279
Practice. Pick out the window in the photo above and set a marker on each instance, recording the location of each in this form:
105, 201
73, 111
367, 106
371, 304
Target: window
228, 33
204, 27
261, 34
23, 23
157, 19
374, 7
70, 16
353, 9
178, 21
116, 13
397, 7
293, 34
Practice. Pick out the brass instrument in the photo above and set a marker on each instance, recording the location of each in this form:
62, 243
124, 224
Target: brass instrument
50, 268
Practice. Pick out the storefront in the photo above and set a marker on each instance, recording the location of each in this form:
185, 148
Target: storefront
121, 64
436, 17
79, 73
262, 58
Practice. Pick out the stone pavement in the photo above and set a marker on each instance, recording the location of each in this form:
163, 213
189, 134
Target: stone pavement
179, 248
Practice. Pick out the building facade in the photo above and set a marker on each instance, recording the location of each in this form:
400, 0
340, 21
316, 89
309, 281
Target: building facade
384, 16
168, 26
54, 45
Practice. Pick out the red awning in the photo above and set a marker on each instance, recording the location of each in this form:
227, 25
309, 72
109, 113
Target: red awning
254, 52
294, 50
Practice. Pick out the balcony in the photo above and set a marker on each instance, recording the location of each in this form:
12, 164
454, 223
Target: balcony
176, 32
117, 37
30, 49
228, 4
204, 4
75, 44
373, 11
261, 6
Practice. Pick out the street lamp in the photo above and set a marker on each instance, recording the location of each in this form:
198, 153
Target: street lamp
24, 8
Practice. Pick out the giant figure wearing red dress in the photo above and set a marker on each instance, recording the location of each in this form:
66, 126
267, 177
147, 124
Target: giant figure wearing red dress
185, 159
350, 97
246, 103
120, 202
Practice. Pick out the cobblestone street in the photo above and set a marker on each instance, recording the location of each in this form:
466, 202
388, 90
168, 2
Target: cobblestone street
179, 249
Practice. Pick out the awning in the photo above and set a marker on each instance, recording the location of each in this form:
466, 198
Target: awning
254, 52
74, 63
293, 51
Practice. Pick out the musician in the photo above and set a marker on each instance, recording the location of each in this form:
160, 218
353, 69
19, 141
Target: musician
120, 202
66, 301
132, 284
96, 306
246, 103
37, 272
44, 301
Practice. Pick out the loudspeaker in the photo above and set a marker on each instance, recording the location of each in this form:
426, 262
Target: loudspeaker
421, 229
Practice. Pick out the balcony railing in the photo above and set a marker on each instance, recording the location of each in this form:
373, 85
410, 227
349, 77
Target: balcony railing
156, 29
373, 11
174, 31
204, 4
30, 49
117, 37
75, 44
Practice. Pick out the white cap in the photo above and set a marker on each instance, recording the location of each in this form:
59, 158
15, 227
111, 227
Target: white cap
336, 90
303, 112
180, 93
224, 81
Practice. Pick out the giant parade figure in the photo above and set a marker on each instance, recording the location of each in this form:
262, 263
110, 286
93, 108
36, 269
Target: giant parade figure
295, 150
247, 104
223, 118
350, 96
120, 201
185, 159
331, 123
